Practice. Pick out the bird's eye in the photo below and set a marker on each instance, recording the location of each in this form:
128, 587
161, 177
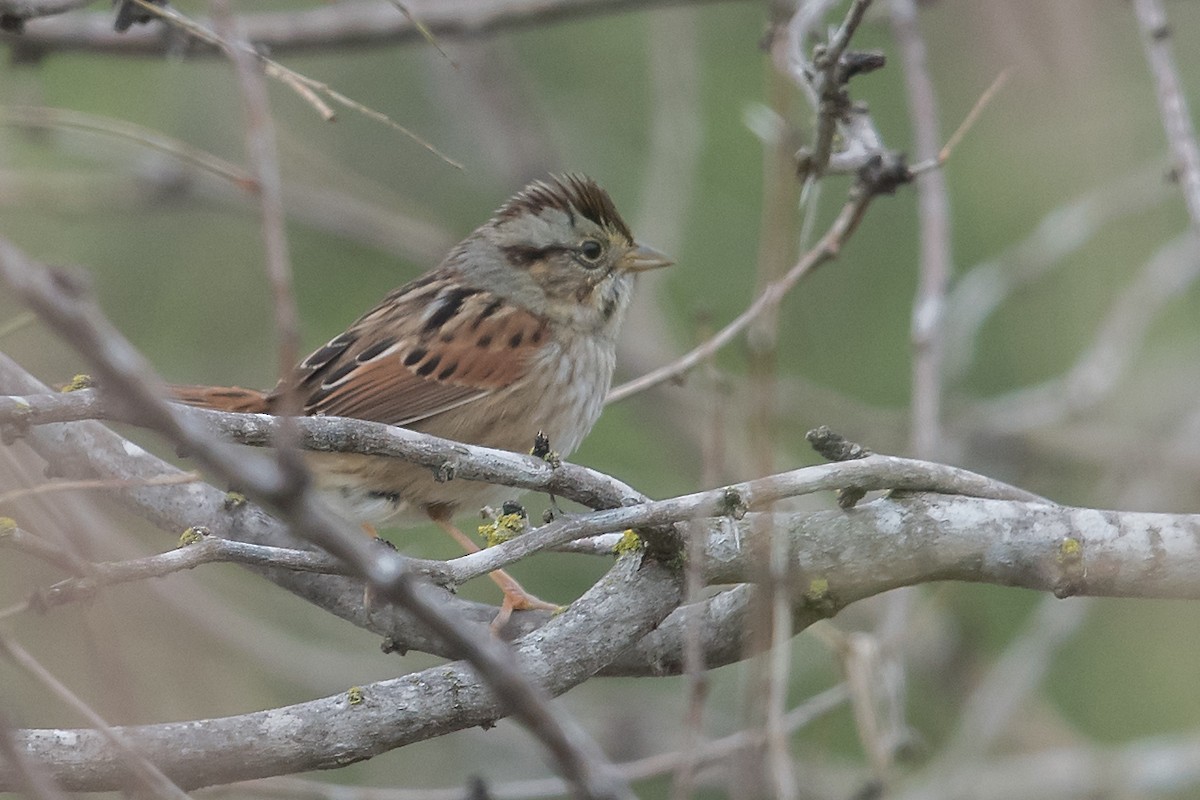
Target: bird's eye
591, 250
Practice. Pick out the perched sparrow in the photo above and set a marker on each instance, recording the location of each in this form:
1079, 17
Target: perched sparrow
513, 334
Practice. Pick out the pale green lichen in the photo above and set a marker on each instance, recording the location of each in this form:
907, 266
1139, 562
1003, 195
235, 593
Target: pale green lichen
503, 528
355, 695
818, 597
1070, 549
234, 500
8, 526
192, 535
629, 542
80, 381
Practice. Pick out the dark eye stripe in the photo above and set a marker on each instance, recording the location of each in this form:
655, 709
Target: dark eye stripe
522, 255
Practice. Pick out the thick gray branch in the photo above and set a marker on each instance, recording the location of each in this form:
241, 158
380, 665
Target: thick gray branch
364, 721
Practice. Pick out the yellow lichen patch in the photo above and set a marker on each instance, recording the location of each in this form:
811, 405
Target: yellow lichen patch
8, 526
234, 500
80, 381
355, 696
1070, 549
193, 535
503, 528
819, 599
629, 542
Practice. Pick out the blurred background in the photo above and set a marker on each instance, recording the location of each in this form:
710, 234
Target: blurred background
1072, 331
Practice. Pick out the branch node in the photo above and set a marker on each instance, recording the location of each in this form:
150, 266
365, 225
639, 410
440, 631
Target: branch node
11, 23
735, 504
444, 472
855, 62
541, 449
832, 446
884, 173
390, 645
848, 497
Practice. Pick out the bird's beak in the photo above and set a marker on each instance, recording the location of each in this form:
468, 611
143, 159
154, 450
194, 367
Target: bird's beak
640, 258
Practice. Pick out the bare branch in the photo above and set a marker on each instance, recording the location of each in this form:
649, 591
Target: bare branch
935, 264
1172, 102
363, 721
348, 24
206, 550
867, 474
263, 158
708, 755
307, 88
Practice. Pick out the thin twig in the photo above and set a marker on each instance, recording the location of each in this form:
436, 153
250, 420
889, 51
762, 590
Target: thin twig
46, 117
1172, 102
825, 250
696, 685
423, 29
98, 484
208, 550
341, 434
934, 266
306, 87
781, 771
972, 116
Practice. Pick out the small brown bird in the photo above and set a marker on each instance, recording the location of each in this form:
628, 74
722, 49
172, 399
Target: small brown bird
513, 334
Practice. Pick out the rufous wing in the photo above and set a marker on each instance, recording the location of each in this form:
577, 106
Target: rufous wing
431, 346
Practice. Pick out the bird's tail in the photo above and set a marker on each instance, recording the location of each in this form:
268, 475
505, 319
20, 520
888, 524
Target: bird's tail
223, 398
